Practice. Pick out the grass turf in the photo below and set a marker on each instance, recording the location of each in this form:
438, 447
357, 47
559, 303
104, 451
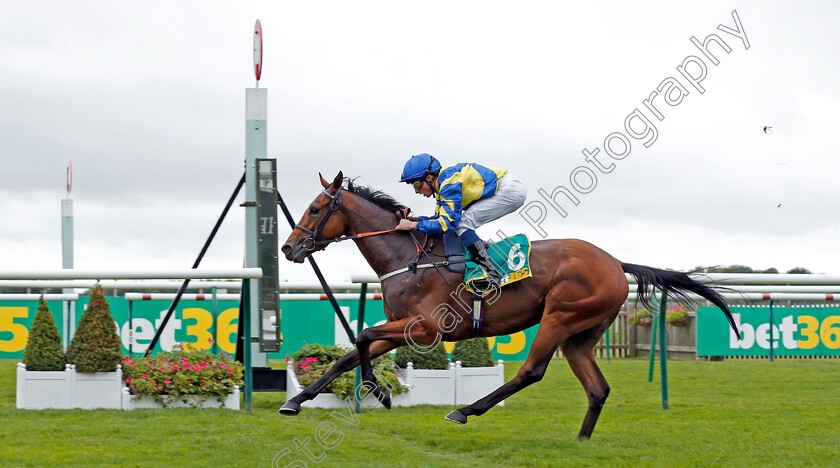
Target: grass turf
731, 413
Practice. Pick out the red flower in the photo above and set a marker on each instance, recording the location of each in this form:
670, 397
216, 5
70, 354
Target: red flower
304, 366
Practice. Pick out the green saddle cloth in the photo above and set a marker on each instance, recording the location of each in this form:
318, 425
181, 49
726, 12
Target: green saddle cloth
511, 256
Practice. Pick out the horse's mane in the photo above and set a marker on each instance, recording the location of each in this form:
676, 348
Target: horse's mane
377, 197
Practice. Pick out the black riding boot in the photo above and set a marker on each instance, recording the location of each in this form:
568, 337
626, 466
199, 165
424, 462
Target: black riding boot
480, 256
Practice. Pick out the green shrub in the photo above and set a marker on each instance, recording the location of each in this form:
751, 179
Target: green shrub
96, 346
474, 352
676, 315
434, 359
637, 316
43, 348
178, 374
312, 361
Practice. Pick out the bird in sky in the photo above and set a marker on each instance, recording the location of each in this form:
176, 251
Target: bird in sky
768, 129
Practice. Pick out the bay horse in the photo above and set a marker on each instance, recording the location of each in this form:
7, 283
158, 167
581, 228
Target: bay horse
574, 295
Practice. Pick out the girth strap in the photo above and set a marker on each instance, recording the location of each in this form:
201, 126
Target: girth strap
477, 313
403, 270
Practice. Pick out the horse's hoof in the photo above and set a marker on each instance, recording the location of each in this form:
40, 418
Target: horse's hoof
457, 417
290, 409
384, 396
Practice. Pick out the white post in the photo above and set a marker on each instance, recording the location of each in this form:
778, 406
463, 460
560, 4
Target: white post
256, 114
67, 255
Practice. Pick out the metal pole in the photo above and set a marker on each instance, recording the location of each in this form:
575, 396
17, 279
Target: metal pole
66, 328
653, 329
360, 325
607, 342
213, 326
246, 345
771, 330
663, 349
131, 328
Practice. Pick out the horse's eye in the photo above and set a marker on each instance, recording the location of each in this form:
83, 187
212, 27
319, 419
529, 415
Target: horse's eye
314, 210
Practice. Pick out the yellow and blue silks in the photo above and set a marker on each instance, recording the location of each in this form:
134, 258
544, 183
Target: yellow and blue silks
458, 186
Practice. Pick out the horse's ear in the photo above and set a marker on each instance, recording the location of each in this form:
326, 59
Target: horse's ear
323, 182
339, 179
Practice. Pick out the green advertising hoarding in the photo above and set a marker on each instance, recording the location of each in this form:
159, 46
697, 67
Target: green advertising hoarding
796, 331
196, 324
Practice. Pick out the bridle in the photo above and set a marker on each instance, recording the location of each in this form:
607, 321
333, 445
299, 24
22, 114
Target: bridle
311, 243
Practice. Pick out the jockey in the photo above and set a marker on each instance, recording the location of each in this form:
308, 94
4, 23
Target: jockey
468, 195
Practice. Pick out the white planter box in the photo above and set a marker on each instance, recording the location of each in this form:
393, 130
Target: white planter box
428, 386
68, 389
454, 386
474, 383
147, 402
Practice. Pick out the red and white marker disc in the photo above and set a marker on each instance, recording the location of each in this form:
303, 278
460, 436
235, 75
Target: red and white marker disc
258, 49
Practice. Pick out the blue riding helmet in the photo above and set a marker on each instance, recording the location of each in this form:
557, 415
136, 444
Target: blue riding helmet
418, 166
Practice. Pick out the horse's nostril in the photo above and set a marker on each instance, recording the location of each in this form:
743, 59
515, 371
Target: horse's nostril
286, 249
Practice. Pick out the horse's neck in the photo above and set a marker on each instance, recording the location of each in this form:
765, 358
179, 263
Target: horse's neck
384, 252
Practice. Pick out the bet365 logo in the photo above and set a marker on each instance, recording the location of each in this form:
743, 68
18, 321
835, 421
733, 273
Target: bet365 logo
795, 332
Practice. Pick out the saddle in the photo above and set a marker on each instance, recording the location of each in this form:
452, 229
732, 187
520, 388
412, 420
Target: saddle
455, 253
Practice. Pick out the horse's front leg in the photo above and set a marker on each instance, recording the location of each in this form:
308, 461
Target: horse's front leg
397, 333
344, 364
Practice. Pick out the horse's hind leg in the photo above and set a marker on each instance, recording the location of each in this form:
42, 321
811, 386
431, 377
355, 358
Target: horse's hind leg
578, 351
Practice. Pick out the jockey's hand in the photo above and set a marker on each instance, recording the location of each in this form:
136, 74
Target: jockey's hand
406, 225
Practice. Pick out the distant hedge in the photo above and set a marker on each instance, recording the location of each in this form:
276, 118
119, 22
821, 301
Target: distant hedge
474, 352
434, 359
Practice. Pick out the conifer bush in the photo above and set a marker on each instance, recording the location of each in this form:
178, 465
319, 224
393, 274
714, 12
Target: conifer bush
96, 346
43, 348
434, 359
474, 352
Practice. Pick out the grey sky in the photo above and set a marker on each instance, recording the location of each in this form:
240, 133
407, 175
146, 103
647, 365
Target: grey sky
148, 103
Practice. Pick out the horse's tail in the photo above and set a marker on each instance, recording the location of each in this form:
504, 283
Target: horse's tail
677, 284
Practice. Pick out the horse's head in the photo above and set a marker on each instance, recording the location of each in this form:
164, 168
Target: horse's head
322, 222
